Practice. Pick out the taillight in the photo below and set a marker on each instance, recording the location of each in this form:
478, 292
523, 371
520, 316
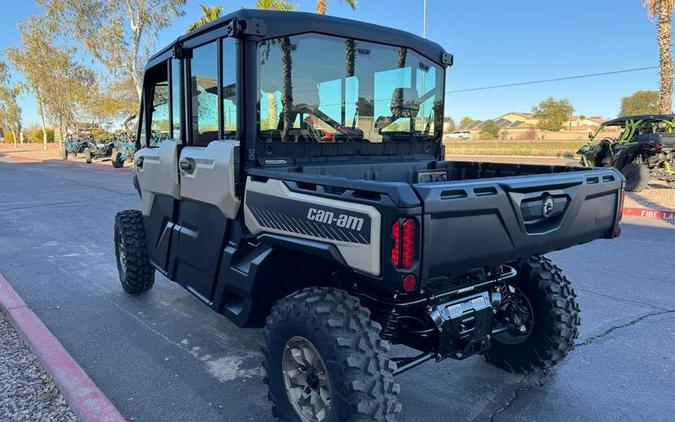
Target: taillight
408, 249
403, 249
409, 283
396, 249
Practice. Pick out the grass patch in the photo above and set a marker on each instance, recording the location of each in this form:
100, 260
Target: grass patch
563, 149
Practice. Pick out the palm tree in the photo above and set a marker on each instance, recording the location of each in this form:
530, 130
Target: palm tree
321, 5
276, 5
662, 11
286, 64
209, 14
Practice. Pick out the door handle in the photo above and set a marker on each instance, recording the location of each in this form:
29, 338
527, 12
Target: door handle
186, 165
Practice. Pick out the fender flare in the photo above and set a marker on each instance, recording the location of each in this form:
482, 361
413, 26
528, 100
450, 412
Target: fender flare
312, 247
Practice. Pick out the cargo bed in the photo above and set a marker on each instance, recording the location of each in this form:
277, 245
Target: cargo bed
475, 214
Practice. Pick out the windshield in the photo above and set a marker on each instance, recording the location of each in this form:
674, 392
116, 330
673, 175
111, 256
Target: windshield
317, 88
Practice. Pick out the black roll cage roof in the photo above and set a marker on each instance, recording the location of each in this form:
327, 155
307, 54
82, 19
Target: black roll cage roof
248, 27
265, 24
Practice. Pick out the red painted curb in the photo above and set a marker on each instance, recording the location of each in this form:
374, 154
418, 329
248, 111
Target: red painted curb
86, 400
649, 213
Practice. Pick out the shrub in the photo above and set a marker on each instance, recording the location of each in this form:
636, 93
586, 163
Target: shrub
34, 134
490, 130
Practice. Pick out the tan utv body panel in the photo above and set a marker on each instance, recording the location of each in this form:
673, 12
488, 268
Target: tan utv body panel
364, 256
158, 174
211, 179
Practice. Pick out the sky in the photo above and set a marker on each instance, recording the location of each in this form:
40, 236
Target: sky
494, 42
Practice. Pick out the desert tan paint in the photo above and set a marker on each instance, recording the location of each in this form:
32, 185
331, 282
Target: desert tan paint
212, 179
159, 173
365, 258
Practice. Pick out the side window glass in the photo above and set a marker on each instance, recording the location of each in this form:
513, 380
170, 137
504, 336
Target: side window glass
176, 100
159, 126
229, 88
142, 139
204, 94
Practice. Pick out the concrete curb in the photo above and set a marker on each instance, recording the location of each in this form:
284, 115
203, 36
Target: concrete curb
649, 213
86, 400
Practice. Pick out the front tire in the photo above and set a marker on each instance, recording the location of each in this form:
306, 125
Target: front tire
637, 176
554, 327
136, 273
87, 156
357, 382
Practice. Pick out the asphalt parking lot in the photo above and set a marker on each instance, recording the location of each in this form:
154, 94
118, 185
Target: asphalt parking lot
164, 356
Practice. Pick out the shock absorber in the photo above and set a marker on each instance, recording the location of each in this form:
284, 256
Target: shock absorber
388, 318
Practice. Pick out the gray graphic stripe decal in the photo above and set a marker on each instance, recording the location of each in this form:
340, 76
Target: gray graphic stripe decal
309, 219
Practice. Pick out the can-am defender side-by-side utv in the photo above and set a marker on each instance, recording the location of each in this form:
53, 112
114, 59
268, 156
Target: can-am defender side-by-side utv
301, 187
641, 147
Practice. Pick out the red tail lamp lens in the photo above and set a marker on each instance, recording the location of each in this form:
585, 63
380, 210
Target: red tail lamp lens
409, 283
408, 243
396, 249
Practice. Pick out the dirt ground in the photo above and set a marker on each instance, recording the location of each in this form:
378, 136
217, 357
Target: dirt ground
33, 152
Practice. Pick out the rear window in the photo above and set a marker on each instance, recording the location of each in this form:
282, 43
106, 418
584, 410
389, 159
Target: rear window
323, 89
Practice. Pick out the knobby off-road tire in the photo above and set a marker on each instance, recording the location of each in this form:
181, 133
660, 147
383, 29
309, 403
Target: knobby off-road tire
136, 273
360, 375
115, 159
637, 176
556, 320
87, 156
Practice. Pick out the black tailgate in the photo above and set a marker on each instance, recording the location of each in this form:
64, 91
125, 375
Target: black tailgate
474, 223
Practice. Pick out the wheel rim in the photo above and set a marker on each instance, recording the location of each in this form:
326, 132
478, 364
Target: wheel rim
517, 310
306, 380
121, 257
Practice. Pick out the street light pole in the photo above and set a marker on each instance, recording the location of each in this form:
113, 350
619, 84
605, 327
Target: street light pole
424, 19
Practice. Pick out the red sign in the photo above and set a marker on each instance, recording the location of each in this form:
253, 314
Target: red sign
647, 213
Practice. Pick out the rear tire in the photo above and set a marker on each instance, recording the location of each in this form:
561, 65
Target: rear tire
637, 176
556, 320
136, 273
358, 376
87, 156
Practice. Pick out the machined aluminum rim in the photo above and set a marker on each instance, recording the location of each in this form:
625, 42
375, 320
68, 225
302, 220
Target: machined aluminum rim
121, 256
306, 380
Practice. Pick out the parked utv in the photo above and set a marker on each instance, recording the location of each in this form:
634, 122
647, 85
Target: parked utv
124, 147
72, 146
307, 195
640, 147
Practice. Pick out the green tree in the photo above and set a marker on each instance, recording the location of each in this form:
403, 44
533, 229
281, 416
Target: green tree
490, 130
60, 85
209, 14
10, 112
662, 12
321, 5
465, 121
641, 102
118, 33
449, 125
553, 114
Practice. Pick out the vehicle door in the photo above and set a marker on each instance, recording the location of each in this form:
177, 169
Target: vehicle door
207, 166
156, 170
